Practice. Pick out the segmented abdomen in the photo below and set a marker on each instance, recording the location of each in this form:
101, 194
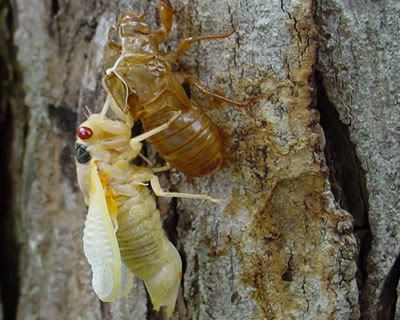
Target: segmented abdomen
192, 143
140, 235
146, 250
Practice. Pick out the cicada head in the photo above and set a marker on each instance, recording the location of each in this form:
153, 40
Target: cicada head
99, 139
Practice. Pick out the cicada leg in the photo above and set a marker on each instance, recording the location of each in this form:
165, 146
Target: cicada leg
154, 131
187, 43
161, 169
110, 103
136, 144
147, 160
166, 14
195, 82
155, 185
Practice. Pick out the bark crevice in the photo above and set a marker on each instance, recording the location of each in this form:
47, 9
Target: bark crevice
388, 297
11, 96
55, 7
9, 249
347, 178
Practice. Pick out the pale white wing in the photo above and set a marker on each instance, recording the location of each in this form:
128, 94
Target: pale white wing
100, 242
126, 280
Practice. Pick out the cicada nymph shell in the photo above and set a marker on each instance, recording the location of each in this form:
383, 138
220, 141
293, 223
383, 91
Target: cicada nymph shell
141, 80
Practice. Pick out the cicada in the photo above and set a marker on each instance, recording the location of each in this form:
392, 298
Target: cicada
123, 234
142, 81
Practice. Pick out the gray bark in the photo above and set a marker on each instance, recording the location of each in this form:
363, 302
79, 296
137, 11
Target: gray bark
359, 65
309, 224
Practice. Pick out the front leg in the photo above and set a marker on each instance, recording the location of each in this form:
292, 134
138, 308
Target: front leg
154, 131
143, 175
136, 145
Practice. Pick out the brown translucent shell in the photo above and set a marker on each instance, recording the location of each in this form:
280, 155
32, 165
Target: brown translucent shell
153, 93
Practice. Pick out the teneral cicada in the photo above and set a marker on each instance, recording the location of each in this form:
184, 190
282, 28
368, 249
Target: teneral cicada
123, 233
141, 80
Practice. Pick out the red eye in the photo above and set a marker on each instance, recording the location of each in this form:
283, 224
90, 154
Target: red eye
84, 133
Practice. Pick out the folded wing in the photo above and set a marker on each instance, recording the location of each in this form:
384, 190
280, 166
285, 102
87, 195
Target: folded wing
100, 243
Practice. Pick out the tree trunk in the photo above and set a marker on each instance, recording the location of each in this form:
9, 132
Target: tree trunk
309, 226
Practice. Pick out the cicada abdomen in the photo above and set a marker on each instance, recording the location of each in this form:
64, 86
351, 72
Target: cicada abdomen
146, 250
192, 143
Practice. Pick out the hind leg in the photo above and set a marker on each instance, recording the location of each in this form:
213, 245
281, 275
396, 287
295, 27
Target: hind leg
155, 185
154, 131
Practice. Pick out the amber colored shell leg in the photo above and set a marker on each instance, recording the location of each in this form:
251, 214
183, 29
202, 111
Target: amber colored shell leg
166, 14
155, 185
195, 82
188, 42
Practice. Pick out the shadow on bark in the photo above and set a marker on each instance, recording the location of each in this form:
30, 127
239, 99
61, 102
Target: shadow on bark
10, 97
347, 177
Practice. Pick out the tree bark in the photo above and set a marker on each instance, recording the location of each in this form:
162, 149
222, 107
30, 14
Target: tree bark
309, 224
359, 70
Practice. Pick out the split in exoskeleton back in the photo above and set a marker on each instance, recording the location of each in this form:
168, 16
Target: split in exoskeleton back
123, 234
141, 80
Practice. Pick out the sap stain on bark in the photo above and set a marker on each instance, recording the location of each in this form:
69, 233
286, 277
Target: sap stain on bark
297, 207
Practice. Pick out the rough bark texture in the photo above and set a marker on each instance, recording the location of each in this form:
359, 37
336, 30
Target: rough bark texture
323, 139
358, 63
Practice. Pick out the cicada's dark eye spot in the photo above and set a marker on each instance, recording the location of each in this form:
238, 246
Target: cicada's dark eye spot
82, 154
84, 133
